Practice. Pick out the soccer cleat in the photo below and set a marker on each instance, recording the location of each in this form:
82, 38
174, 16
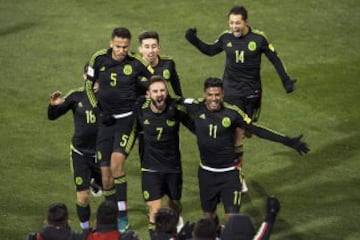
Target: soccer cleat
95, 189
244, 187
123, 224
180, 224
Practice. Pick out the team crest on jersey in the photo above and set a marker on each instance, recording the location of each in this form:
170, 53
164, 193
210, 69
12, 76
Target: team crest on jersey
252, 46
146, 195
170, 123
226, 122
80, 105
229, 45
98, 156
146, 122
202, 116
78, 180
166, 74
102, 69
127, 69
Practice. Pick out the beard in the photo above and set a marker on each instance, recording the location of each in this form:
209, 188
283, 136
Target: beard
159, 103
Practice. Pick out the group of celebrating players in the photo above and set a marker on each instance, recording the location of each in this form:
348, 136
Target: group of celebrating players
129, 96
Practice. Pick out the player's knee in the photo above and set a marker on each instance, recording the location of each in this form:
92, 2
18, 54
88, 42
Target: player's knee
83, 197
117, 164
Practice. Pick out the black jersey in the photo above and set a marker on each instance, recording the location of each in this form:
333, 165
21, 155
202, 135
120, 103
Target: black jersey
85, 126
161, 135
118, 81
166, 68
243, 59
215, 132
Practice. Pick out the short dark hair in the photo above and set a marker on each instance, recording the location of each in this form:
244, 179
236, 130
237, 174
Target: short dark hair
166, 220
156, 78
106, 213
148, 34
121, 32
205, 228
213, 82
239, 10
57, 214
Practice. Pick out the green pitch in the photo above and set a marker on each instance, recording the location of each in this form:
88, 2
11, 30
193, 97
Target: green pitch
44, 44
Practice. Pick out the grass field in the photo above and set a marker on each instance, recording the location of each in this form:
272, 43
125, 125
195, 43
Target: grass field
44, 44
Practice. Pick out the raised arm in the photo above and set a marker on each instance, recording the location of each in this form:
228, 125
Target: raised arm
207, 49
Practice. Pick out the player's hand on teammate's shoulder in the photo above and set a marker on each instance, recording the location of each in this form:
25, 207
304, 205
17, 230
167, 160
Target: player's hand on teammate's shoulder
56, 98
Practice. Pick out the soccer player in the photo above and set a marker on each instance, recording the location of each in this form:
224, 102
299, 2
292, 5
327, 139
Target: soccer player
215, 126
159, 117
243, 48
119, 73
149, 49
84, 165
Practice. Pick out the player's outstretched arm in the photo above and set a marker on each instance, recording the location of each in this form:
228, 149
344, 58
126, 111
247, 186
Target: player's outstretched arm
293, 142
207, 49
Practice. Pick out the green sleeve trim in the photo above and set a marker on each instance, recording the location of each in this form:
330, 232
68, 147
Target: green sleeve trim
95, 55
90, 93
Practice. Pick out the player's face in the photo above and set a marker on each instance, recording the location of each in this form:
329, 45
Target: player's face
149, 50
213, 98
237, 25
120, 48
158, 93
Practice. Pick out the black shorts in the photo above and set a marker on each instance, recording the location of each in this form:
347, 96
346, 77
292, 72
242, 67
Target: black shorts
251, 105
84, 168
220, 186
119, 137
155, 185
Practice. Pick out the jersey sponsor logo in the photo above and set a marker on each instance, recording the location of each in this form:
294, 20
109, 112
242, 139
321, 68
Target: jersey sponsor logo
127, 69
229, 45
143, 79
226, 122
170, 123
202, 116
102, 69
166, 74
78, 180
252, 46
146, 122
146, 195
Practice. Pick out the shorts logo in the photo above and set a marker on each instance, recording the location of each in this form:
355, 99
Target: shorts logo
226, 122
98, 156
146, 195
78, 181
252, 46
170, 123
127, 69
166, 74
